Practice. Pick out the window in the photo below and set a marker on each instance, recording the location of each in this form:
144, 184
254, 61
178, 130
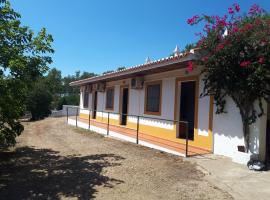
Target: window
153, 98
109, 98
85, 99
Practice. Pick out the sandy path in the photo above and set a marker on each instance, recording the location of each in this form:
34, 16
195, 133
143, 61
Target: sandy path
55, 161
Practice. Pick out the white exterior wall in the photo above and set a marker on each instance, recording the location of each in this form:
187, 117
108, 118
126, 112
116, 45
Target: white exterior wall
101, 101
137, 102
227, 127
227, 130
137, 98
168, 98
90, 101
116, 98
203, 112
81, 100
228, 133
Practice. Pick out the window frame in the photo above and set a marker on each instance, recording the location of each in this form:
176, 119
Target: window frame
108, 108
147, 84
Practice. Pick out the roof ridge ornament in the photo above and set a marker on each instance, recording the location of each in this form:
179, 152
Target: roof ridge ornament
148, 60
225, 33
176, 51
192, 51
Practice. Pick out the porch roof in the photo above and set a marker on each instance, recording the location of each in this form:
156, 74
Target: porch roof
156, 66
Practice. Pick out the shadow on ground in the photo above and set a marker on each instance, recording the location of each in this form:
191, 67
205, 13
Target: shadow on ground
30, 173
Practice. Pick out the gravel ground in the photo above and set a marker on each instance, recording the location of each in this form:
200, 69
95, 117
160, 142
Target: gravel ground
55, 161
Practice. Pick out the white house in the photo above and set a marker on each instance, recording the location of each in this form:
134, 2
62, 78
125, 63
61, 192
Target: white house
163, 92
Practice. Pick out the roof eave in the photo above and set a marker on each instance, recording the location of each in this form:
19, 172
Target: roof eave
135, 70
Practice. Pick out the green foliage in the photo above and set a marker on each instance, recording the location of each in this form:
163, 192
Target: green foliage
24, 57
237, 63
53, 81
62, 101
120, 68
188, 47
70, 95
39, 100
107, 72
85, 75
51, 92
73, 99
67, 89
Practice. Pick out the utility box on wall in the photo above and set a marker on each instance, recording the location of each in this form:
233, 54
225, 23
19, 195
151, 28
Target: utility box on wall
137, 83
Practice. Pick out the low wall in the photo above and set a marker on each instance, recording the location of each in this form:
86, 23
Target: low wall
72, 111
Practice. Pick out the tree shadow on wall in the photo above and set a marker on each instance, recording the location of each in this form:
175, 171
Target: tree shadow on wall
30, 173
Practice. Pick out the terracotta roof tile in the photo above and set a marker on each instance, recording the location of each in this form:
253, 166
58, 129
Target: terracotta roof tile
133, 69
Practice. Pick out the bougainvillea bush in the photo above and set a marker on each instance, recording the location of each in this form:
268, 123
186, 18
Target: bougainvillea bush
235, 50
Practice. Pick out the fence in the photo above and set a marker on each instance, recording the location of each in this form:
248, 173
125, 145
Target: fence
105, 124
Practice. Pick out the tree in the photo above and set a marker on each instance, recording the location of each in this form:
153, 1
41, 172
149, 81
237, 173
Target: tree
70, 95
72, 99
107, 72
24, 57
54, 80
61, 102
67, 90
188, 47
85, 75
39, 100
120, 68
236, 54
54, 84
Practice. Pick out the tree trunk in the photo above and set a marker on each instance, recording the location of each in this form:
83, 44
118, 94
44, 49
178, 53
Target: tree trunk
246, 131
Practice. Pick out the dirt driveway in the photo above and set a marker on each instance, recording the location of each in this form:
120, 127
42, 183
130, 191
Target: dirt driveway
55, 161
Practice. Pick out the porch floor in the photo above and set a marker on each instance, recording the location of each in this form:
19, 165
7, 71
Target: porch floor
143, 137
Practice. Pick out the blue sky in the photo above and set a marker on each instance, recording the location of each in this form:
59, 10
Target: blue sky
101, 35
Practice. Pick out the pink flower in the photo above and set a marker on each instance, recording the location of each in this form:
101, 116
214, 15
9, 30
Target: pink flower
236, 7
190, 21
245, 63
248, 26
255, 9
205, 58
207, 28
258, 21
190, 66
230, 10
227, 42
222, 22
261, 60
235, 29
193, 20
219, 47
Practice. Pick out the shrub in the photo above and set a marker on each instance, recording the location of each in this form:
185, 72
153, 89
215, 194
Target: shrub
235, 50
